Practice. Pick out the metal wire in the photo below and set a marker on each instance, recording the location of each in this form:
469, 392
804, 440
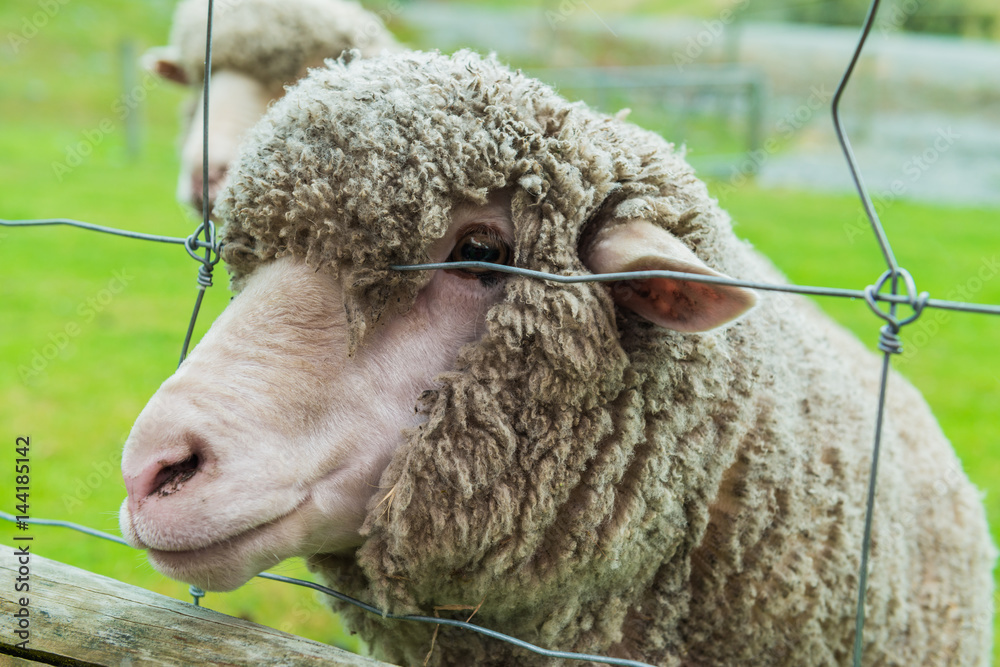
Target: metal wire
210, 245
206, 87
207, 226
93, 532
845, 143
914, 301
105, 230
433, 620
213, 252
888, 341
566, 655
215, 248
866, 540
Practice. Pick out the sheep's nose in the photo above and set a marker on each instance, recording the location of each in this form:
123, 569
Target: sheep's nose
216, 179
162, 478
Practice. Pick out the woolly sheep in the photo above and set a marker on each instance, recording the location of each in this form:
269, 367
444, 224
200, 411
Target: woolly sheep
624, 470
258, 47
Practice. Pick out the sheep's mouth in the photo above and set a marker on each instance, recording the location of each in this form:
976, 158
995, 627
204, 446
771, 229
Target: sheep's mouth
224, 544
214, 554
229, 562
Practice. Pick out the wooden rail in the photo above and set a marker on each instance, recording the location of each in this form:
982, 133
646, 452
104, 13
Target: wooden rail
78, 618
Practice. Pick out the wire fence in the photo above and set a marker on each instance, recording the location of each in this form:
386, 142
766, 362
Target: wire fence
197, 594
895, 277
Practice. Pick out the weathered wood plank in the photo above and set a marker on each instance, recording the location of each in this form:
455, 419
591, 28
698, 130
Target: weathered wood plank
81, 618
11, 661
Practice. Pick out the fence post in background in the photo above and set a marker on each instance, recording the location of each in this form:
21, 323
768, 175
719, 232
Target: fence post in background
731, 40
133, 131
755, 113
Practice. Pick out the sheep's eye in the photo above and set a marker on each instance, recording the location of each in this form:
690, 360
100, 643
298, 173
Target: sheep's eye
480, 245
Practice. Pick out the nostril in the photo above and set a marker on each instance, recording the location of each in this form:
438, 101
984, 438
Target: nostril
169, 479
173, 463
196, 188
217, 176
216, 180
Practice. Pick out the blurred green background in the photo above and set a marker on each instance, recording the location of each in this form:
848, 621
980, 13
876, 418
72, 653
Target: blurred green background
90, 325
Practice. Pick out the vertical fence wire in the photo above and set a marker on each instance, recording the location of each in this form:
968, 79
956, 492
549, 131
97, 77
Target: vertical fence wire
845, 143
887, 253
207, 227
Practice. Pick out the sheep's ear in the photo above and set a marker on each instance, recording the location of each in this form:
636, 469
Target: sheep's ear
163, 61
681, 305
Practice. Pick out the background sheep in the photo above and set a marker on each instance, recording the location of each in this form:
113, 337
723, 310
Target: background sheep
258, 47
601, 479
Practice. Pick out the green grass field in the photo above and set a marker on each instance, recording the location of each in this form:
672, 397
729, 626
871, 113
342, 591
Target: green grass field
92, 324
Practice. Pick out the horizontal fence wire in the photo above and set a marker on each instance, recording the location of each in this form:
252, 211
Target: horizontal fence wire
44, 222
416, 618
192, 244
809, 290
864, 294
872, 295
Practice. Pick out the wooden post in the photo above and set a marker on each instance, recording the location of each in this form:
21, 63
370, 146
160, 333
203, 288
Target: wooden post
78, 618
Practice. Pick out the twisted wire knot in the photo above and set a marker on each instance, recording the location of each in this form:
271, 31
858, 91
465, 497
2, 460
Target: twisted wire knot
213, 250
213, 253
205, 275
888, 340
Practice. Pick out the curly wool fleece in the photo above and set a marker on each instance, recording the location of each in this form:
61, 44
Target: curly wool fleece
598, 483
273, 41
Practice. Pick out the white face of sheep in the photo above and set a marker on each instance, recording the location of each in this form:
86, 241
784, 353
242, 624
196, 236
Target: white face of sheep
237, 102
270, 440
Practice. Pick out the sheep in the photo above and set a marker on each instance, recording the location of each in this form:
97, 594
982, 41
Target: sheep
259, 46
659, 469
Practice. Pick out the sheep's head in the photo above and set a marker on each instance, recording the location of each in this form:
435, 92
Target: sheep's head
337, 401
259, 46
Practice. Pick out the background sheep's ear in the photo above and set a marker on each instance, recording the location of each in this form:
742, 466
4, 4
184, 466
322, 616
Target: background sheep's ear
681, 305
163, 61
